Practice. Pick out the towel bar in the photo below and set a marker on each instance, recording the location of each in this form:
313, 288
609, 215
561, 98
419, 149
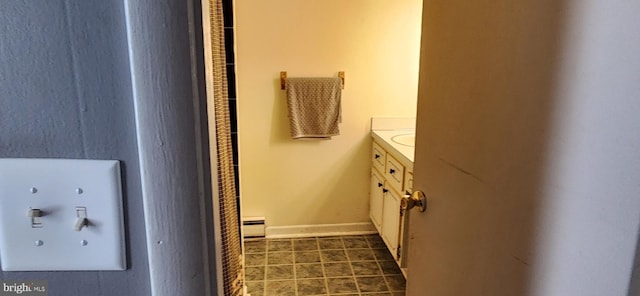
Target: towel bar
283, 76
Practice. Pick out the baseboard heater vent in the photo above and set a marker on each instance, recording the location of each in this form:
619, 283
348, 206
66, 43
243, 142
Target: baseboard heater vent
253, 227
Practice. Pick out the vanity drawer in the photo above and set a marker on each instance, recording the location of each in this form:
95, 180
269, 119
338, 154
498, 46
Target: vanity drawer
408, 182
378, 157
394, 173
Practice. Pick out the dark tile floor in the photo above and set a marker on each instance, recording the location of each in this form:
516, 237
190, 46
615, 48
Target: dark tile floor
337, 265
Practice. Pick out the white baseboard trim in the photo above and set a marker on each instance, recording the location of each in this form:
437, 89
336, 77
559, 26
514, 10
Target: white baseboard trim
294, 231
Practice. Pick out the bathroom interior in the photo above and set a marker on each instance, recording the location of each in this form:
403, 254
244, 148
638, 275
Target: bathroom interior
542, 96
317, 191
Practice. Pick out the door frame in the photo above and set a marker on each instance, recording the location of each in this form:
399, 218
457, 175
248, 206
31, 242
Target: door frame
168, 85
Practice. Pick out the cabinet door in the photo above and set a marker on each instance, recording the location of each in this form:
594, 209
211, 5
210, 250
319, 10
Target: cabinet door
391, 221
376, 199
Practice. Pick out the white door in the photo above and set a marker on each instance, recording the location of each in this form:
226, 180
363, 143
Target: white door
527, 149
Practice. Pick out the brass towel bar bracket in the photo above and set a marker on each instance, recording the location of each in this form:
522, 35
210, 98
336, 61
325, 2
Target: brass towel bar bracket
283, 76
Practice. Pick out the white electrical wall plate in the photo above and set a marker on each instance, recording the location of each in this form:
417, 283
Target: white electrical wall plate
61, 214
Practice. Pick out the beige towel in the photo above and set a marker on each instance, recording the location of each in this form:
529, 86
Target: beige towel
314, 106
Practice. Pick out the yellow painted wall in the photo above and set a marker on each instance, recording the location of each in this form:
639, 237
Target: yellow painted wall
301, 182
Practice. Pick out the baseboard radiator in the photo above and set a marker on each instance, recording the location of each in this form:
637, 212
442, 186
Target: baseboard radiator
253, 227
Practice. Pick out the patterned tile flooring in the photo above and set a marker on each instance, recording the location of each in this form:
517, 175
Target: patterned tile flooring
337, 265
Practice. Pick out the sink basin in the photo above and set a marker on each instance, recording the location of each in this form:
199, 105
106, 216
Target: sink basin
405, 139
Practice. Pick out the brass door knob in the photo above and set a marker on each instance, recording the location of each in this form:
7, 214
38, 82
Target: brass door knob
416, 199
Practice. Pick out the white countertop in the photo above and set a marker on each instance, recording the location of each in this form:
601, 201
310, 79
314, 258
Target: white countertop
406, 153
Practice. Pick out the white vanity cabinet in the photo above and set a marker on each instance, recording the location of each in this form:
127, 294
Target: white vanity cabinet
389, 178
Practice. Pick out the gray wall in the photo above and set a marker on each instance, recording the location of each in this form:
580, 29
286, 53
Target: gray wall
65, 92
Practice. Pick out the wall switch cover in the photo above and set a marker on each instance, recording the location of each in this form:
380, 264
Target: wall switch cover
61, 214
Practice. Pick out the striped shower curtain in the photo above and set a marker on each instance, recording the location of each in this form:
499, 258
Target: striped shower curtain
218, 107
